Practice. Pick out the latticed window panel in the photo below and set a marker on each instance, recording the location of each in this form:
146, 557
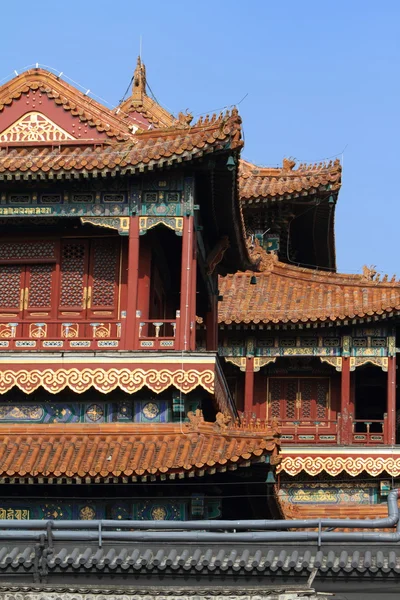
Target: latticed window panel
40, 285
306, 398
10, 286
105, 261
291, 397
322, 398
27, 250
73, 263
275, 397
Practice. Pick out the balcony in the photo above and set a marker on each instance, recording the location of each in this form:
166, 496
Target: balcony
363, 432
56, 335
158, 334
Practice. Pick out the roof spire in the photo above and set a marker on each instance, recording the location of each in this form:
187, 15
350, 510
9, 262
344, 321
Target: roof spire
139, 83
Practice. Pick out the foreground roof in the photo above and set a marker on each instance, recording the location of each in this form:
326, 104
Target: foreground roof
260, 184
102, 453
144, 151
221, 561
289, 294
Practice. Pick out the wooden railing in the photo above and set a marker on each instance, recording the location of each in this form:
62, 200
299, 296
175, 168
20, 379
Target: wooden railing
369, 431
157, 334
309, 432
55, 335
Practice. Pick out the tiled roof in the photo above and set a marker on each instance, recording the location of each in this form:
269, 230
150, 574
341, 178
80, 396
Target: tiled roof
259, 183
101, 452
145, 150
128, 591
216, 559
87, 110
290, 294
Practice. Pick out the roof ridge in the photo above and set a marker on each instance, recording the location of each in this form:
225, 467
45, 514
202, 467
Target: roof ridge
268, 261
288, 168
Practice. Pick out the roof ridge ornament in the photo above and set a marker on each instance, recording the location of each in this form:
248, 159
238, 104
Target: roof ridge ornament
139, 83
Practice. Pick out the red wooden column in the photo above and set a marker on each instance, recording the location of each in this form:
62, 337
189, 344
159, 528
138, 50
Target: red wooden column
193, 277
144, 281
132, 285
188, 272
249, 386
212, 326
345, 403
391, 401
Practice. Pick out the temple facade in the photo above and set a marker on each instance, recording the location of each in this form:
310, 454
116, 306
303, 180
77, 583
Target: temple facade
176, 345
114, 228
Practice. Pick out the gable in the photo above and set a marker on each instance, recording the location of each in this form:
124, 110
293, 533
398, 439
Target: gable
74, 115
34, 127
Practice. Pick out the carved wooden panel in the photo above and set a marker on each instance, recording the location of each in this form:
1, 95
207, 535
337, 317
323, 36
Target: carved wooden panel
27, 251
73, 271
104, 272
40, 285
10, 286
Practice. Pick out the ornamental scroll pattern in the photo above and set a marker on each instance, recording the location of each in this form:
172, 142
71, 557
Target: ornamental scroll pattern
334, 361
377, 361
121, 224
334, 465
106, 380
34, 127
174, 223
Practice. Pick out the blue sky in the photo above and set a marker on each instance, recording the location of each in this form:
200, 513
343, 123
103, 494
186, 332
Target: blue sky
321, 78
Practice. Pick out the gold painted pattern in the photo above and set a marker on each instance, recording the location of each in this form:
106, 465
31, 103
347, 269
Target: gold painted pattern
106, 380
334, 465
34, 127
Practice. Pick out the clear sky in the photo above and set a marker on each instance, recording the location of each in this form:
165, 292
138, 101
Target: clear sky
321, 78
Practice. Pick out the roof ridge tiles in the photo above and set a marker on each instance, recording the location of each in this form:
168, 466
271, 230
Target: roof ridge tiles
258, 182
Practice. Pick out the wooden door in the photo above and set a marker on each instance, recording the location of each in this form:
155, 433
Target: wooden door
283, 397
103, 289
313, 399
304, 400
73, 285
39, 292
12, 286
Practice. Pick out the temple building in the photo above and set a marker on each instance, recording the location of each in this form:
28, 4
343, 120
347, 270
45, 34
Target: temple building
177, 346
313, 348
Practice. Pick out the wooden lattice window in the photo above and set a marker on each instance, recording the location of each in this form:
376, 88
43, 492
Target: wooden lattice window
73, 270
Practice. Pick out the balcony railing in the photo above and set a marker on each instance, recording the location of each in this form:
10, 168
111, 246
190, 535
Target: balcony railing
309, 432
363, 431
158, 334
371, 431
57, 335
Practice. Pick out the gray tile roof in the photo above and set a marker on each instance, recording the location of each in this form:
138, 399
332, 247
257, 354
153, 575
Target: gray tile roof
200, 558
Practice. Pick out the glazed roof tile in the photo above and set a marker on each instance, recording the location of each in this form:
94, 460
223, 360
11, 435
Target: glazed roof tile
129, 450
260, 184
290, 294
145, 150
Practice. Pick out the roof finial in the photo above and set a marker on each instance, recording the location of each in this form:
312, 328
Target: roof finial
139, 82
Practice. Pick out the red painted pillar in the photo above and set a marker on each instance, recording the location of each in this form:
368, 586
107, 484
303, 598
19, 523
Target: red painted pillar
249, 386
193, 284
391, 401
212, 326
132, 285
345, 405
186, 304
144, 281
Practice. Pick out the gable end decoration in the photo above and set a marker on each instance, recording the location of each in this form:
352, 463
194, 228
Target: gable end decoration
34, 127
